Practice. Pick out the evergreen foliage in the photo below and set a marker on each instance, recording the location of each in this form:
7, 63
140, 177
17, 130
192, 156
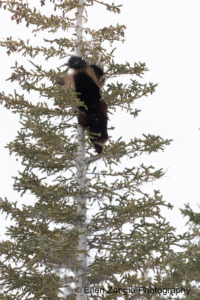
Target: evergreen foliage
182, 268
191, 259
46, 234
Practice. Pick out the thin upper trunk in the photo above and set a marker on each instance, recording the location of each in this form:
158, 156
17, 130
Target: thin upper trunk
81, 178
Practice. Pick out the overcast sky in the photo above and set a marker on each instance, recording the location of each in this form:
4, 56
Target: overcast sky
164, 35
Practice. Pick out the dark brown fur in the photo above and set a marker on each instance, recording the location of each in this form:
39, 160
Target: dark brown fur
88, 80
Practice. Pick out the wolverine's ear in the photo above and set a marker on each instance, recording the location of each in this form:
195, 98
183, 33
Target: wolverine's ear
60, 81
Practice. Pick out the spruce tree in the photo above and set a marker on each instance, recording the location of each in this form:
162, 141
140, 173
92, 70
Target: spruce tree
183, 267
181, 271
108, 254
190, 262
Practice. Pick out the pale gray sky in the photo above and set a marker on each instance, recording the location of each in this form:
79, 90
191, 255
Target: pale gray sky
164, 35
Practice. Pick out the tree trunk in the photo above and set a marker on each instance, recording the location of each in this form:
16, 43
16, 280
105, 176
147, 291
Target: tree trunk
81, 178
